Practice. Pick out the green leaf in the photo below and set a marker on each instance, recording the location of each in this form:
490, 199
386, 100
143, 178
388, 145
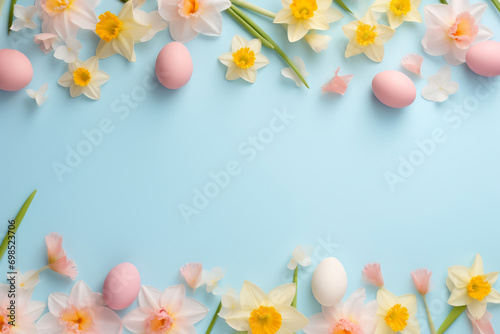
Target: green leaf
251, 30
255, 8
444, 2
450, 319
497, 4
17, 222
11, 16
214, 319
344, 6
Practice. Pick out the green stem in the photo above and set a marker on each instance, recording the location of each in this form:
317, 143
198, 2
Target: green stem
444, 2
17, 222
295, 280
429, 317
454, 314
344, 6
248, 27
270, 40
214, 319
497, 4
11, 16
254, 8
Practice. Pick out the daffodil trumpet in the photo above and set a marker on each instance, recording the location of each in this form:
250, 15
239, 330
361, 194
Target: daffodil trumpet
11, 15
450, 319
214, 319
254, 25
249, 28
254, 8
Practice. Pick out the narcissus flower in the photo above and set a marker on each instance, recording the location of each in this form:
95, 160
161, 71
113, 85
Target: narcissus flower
39, 95
304, 15
396, 314
24, 17
68, 52
368, 37
373, 274
84, 78
58, 260
472, 287
26, 311
244, 59
339, 85
46, 41
119, 33
317, 42
301, 255
412, 63
440, 86
211, 278
422, 280
192, 273
398, 11
153, 20
261, 313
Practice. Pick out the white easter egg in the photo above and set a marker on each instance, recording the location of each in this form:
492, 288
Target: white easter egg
329, 282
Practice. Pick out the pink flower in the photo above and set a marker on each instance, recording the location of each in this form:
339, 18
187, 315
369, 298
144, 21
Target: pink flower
58, 261
422, 279
166, 312
453, 28
46, 41
413, 63
373, 274
338, 84
192, 273
79, 313
353, 316
483, 325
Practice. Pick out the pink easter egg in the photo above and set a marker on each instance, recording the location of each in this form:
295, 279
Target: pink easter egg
16, 71
121, 286
174, 65
394, 89
483, 58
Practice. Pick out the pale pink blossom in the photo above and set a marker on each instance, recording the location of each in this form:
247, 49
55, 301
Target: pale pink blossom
453, 28
46, 41
26, 311
167, 312
373, 274
338, 84
58, 261
422, 280
353, 317
192, 273
82, 312
482, 325
412, 62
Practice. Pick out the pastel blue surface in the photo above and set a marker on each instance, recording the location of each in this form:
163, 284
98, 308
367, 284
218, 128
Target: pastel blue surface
319, 179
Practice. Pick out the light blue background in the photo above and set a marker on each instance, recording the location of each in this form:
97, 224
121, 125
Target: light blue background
320, 181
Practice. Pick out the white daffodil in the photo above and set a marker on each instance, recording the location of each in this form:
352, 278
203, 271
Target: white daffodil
26, 311
368, 37
68, 52
287, 72
40, 98
119, 33
188, 18
24, 17
396, 314
211, 278
317, 42
398, 11
244, 59
440, 86
301, 254
230, 302
84, 78
261, 313
304, 15
153, 20
472, 287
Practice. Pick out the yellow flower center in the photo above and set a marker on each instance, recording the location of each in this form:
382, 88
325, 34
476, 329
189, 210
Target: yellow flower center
188, 7
365, 34
81, 76
265, 320
244, 58
397, 318
303, 9
109, 26
54, 7
478, 287
4, 323
400, 7
75, 319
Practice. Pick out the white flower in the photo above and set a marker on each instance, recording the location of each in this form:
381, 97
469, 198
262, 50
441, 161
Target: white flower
302, 256
211, 278
40, 98
69, 51
230, 302
290, 74
244, 59
398, 11
440, 86
396, 314
153, 20
24, 17
27, 312
188, 18
46, 41
84, 78
317, 42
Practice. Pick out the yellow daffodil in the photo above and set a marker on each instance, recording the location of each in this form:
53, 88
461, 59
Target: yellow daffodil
396, 314
472, 287
304, 15
244, 59
84, 78
398, 11
119, 33
368, 37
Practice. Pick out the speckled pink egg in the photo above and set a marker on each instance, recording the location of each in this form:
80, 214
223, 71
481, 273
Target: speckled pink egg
483, 58
174, 65
121, 286
394, 89
16, 71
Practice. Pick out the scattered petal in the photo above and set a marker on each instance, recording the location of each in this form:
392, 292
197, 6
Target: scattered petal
373, 274
413, 63
338, 84
39, 95
290, 74
440, 86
